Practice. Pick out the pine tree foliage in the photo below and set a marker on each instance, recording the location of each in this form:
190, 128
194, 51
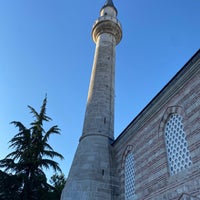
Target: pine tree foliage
31, 155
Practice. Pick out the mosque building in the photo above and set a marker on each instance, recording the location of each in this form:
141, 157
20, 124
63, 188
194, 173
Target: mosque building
157, 156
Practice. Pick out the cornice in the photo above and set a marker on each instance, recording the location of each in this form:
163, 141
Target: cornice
169, 91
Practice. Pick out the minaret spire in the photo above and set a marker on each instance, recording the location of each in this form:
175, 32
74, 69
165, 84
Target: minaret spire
109, 3
91, 176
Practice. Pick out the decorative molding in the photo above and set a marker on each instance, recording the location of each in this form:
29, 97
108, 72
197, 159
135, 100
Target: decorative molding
185, 196
128, 149
170, 110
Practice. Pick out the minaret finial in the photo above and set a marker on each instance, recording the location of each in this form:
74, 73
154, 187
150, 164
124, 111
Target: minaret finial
109, 3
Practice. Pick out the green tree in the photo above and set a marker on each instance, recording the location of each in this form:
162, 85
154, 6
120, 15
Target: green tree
10, 186
32, 154
58, 182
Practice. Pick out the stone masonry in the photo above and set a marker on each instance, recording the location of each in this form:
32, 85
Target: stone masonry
91, 171
144, 137
99, 169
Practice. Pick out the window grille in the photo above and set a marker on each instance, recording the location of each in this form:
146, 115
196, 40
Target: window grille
177, 148
129, 177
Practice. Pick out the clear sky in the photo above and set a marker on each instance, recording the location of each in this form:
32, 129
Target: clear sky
46, 48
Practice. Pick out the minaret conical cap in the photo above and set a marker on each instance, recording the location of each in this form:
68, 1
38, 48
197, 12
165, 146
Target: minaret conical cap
109, 3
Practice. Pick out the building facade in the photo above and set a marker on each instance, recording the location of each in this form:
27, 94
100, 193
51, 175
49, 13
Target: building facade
157, 156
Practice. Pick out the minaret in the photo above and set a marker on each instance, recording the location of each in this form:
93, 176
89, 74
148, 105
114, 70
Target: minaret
90, 174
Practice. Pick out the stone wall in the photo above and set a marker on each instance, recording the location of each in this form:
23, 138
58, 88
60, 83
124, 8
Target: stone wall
144, 137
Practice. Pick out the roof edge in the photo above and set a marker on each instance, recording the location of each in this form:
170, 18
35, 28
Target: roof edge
160, 93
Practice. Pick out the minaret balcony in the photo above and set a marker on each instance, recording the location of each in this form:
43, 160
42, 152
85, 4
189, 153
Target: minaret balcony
109, 18
107, 24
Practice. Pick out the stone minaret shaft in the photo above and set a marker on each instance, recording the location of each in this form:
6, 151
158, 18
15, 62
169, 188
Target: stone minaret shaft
90, 174
99, 117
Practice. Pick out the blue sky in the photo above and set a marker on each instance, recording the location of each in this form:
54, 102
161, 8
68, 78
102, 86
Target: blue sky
46, 48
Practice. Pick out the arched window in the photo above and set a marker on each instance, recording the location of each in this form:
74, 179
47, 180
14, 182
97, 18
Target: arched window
129, 177
177, 148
